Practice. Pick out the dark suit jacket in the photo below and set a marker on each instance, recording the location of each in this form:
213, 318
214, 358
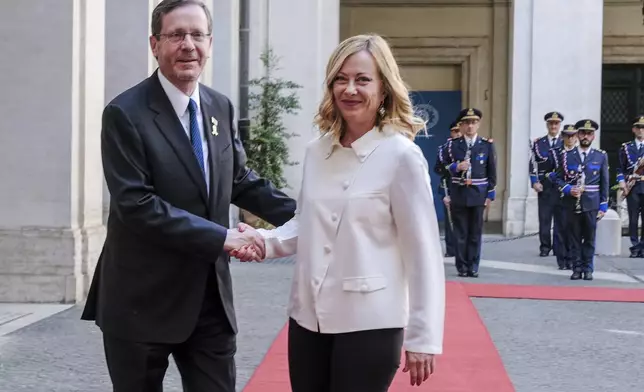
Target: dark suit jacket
164, 231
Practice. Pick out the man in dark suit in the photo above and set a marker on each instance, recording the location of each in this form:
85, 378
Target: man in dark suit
471, 160
173, 165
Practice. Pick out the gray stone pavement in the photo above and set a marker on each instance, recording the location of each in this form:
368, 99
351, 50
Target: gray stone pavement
542, 343
558, 346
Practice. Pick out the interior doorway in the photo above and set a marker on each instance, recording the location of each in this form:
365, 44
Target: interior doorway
622, 100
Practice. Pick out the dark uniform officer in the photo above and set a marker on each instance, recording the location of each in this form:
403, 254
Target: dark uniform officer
548, 196
471, 189
586, 169
443, 190
629, 154
563, 247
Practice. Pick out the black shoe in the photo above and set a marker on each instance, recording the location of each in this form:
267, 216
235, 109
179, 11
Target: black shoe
544, 253
575, 275
635, 253
449, 254
462, 274
568, 267
561, 267
472, 274
588, 276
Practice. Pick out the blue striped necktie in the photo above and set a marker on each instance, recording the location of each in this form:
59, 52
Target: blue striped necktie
195, 136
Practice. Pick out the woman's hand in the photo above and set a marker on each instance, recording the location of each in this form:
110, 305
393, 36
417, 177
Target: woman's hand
420, 367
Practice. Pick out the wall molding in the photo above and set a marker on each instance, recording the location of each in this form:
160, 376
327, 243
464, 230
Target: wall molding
423, 3
470, 53
623, 49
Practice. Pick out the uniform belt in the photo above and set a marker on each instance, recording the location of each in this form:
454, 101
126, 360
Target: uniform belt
475, 181
591, 188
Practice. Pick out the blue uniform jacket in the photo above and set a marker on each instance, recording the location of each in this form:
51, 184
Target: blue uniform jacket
544, 158
440, 169
483, 173
595, 168
628, 156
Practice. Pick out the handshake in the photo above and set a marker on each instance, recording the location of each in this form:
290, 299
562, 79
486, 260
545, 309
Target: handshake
245, 243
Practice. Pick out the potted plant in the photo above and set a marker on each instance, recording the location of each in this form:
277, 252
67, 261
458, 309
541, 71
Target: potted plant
270, 98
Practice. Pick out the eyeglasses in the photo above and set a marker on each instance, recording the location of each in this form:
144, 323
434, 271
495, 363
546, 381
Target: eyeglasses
176, 38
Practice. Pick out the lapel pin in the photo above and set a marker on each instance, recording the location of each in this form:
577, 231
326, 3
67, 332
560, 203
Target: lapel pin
214, 126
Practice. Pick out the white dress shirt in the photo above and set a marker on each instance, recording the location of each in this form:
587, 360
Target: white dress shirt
179, 101
367, 243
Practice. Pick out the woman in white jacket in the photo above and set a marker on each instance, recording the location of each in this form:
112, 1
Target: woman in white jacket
368, 255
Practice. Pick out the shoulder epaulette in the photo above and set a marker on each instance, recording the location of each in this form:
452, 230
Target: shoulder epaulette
486, 139
625, 143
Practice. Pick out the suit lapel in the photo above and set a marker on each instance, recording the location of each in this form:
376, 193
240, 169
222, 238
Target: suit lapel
210, 114
173, 131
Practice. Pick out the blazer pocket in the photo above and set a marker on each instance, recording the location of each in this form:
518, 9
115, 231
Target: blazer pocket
364, 284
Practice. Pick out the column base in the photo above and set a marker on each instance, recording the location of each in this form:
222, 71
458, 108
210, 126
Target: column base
521, 216
39, 265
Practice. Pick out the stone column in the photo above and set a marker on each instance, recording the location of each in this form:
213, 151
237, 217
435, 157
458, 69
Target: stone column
555, 64
304, 56
223, 71
127, 52
51, 228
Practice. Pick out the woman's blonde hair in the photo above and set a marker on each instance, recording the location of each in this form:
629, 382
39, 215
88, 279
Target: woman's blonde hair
398, 109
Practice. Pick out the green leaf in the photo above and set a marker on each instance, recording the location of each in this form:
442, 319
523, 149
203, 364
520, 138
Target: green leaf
270, 99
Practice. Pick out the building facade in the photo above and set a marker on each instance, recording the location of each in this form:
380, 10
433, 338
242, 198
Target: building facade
514, 60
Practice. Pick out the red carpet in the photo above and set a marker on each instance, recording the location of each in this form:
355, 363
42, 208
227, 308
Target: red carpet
554, 293
470, 362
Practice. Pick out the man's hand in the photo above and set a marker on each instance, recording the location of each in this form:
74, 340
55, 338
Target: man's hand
487, 203
622, 186
420, 367
600, 215
463, 166
575, 191
447, 200
247, 240
538, 187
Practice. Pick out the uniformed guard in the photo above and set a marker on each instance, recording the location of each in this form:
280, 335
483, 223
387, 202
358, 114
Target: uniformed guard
443, 190
562, 250
471, 160
583, 180
547, 192
631, 160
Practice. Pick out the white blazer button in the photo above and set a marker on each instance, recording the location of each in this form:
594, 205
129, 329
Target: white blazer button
334, 217
364, 287
327, 248
345, 185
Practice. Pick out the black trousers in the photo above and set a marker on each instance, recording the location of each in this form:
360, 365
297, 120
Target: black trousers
205, 361
468, 232
583, 227
564, 249
364, 361
449, 233
549, 202
635, 203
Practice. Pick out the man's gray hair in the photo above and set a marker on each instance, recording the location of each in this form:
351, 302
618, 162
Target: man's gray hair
167, 6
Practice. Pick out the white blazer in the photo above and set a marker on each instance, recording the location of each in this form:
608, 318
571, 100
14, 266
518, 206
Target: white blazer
367, 243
